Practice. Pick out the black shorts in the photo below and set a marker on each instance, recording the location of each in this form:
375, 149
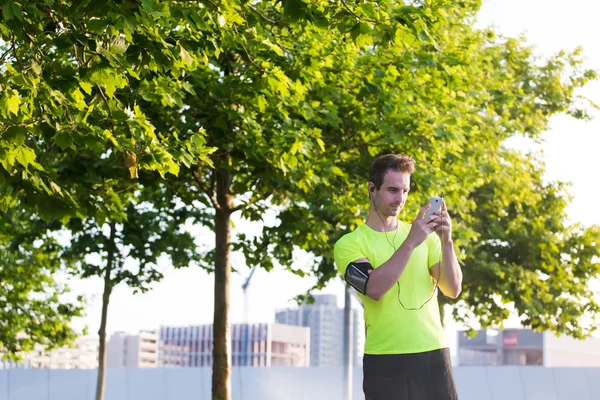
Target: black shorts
418, 376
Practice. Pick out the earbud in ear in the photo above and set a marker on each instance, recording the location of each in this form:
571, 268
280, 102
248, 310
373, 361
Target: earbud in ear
372, 190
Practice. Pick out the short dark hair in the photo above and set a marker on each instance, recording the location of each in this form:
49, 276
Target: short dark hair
382, 164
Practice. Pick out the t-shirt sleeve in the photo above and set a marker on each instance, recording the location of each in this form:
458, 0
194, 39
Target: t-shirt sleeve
434, 249
345, 251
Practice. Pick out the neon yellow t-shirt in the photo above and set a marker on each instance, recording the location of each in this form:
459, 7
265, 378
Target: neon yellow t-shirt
390, 328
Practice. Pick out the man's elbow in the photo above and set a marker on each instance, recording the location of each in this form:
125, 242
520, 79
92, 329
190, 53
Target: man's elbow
374, 294
454, 292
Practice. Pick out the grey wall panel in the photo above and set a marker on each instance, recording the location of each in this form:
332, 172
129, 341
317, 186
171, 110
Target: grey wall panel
538, 383
187, 383
592, 376
472, 383
505, 383
146, 383
571, 383
29, 384
68, 384
293, 383
277, 383
116, 384
207, 382
4, 384
357, 384
93, 380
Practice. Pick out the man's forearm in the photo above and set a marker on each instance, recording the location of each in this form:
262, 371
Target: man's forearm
451, 280
383, 278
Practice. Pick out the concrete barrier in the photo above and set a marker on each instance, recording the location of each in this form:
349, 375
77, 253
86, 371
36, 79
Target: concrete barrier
473, 383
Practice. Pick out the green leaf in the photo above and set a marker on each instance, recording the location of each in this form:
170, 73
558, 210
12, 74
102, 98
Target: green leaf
297, 146
185, 56
198, 141
37, 68
78, 99
148, 6
275, 48
16, 135
337, 171
10, 10
108, 79
293, 9
355, 31
56, 188
12, 103
321, 144
86, 86
63, 140
24, 155
8, 160
97, 25
261, 103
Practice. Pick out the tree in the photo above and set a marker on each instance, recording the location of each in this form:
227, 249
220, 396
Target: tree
527, 256
127, 251
251, 95
34, 308
74, 141
452, 109
295, 111
297, 115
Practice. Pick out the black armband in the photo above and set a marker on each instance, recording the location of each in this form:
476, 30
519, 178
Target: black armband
357, 275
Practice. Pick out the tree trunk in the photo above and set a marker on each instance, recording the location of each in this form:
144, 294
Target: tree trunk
221, 381
105, 299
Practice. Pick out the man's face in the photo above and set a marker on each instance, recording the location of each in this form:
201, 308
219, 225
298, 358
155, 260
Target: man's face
391, 197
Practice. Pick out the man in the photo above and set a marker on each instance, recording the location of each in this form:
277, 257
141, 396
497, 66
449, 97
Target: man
395, 265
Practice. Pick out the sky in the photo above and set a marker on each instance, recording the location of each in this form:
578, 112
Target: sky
570, 151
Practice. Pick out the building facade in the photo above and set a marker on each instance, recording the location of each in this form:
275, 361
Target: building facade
132, 351
252, 345
526, 347
83, 355
326, 322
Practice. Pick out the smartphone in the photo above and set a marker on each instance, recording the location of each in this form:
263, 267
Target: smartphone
436, 205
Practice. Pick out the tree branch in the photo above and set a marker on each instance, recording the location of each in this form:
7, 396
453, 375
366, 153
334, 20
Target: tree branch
6, 53
251, 203
247, 53
216, 7
264, 17
14, 49
76, 55
209, 192
357, 16
106, 102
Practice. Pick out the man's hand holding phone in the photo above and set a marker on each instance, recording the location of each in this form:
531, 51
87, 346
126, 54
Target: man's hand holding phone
433, 217
443, 226
421, 227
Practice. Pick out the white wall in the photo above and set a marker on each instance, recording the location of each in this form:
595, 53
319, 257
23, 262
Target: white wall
565, 351
473, 383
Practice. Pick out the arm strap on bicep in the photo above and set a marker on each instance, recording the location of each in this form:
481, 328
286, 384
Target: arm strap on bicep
357, 275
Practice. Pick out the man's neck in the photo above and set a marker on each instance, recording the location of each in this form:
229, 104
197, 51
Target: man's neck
381, 223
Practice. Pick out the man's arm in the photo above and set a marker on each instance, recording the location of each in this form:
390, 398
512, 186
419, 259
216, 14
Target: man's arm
450, 282
383, 278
